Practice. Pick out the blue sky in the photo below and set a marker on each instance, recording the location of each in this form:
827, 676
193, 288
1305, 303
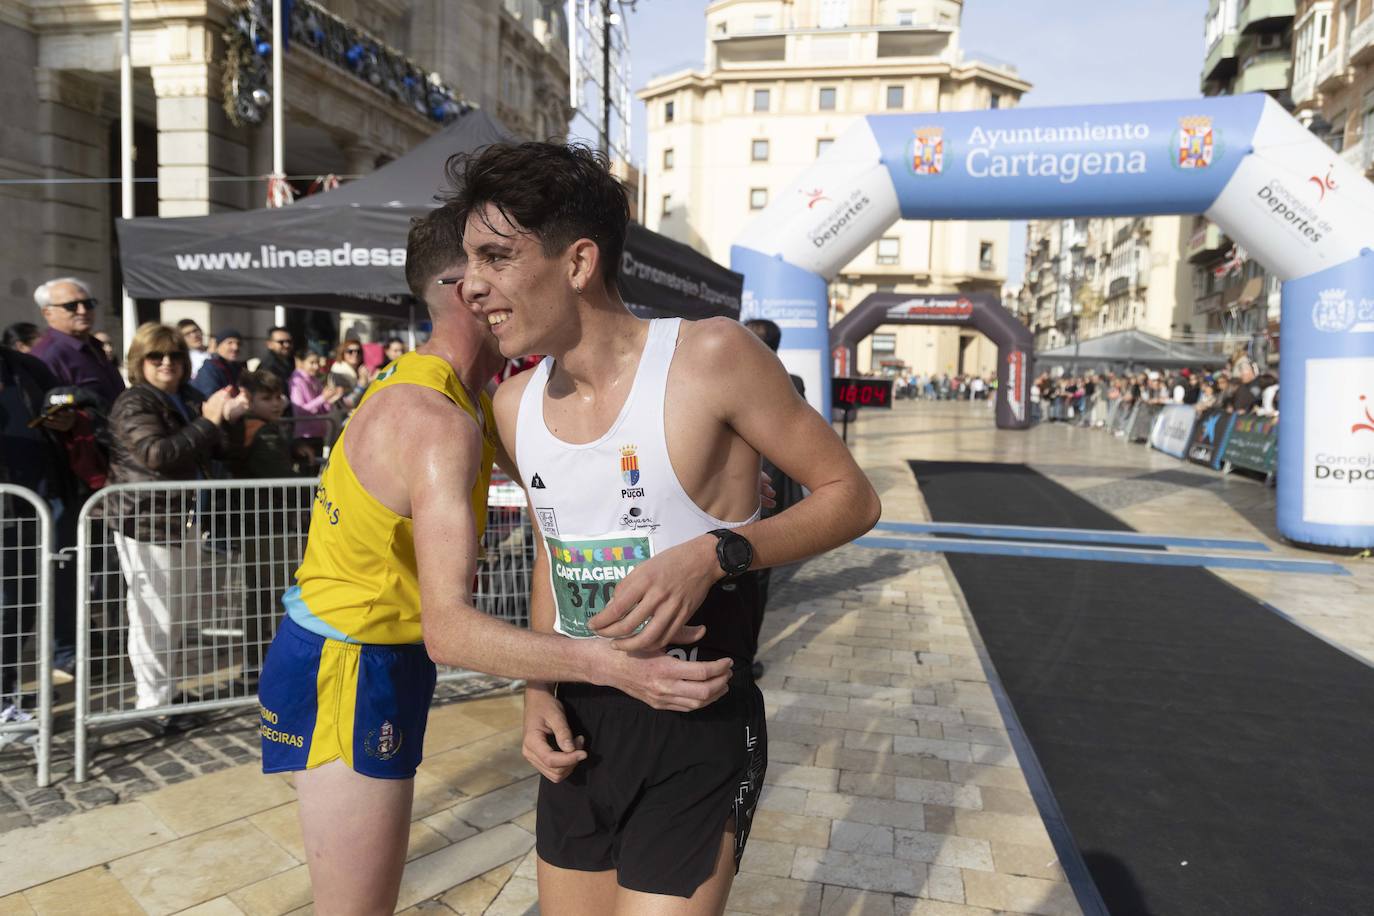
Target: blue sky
1073, 52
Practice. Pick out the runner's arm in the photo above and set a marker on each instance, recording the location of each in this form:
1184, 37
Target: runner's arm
439, 468
728, 360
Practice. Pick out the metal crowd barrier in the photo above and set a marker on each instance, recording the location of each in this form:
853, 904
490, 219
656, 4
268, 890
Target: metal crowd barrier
183, 627
26, 559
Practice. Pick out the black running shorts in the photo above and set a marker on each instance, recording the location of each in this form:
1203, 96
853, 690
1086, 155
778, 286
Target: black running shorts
657, 789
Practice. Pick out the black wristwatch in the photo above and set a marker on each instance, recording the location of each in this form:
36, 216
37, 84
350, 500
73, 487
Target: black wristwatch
734, 553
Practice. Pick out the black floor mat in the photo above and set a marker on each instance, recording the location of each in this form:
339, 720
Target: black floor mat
1177, 719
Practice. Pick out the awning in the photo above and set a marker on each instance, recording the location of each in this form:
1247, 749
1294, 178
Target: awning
345, 249
1131, 348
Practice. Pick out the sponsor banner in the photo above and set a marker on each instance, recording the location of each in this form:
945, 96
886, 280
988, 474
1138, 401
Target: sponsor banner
939, 309
1253, 443
832, 211
1172, 429
1338, 442
1013, 386
1097, 160
1295, 205
1142, 421
1209, 438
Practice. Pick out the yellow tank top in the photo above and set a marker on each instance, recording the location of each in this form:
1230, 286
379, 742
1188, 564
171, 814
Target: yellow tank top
358, 581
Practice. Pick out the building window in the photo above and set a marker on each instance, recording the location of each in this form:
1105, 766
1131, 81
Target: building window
761, 99
667, 206
906, 17
758, 198
758, 151
834, 14
823, 144
827, 98
884, 343
994, 100
896, 97
668, 159
889, 250
1336, 139
985, 256
667, 112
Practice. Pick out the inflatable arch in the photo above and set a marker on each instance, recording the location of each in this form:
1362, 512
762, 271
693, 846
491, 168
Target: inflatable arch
1295, 205
983, 311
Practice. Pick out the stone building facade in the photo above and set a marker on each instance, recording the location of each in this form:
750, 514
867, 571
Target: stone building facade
59, 91
781, 81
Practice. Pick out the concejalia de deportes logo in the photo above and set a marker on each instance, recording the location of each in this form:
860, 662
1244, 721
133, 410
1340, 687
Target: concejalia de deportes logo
1368, 425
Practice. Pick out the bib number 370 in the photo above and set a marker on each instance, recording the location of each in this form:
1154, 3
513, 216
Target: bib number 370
585, 572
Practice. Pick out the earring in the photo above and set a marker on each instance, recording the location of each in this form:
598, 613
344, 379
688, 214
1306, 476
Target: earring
577, 289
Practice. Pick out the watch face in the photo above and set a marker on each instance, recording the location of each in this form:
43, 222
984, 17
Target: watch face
737, 553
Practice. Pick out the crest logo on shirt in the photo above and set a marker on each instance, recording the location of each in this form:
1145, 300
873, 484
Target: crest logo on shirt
629, 465
384, 743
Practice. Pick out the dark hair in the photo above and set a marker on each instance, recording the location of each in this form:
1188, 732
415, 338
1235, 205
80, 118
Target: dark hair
185, 323
260, 381
435, 244
559, 193
766, 331
21, 332
392, 340
273, 330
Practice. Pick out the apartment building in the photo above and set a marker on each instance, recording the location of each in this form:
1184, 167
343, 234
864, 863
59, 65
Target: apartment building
1252, 46
347, 111
782, 79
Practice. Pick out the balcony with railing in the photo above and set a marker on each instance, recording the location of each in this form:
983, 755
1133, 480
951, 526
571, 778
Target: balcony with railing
1220, 63
1362, 40
1260, 15
1305, 88
1267, 71
1333, 69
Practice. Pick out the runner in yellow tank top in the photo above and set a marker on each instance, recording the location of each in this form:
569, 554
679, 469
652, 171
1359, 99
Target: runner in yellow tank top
394, 540
358, 581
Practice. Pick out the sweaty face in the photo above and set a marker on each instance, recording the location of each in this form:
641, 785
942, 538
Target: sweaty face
512, 285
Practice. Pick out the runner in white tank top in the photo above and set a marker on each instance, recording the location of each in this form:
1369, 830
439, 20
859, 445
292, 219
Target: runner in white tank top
638, 444
604, 507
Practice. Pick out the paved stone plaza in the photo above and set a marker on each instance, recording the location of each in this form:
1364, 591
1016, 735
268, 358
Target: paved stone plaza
893, 786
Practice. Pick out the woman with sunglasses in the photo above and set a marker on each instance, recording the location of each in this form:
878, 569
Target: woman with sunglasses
349, 373
161, 429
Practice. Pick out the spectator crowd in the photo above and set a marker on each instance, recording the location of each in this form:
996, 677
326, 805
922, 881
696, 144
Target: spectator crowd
186, 405
1098, 398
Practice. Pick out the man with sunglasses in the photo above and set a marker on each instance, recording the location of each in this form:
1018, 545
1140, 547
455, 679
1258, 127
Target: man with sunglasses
67, 347
75, 358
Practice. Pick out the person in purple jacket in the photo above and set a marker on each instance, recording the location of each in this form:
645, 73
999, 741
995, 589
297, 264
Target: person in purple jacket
67, 347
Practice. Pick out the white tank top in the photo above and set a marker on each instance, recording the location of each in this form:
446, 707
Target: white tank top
608, 505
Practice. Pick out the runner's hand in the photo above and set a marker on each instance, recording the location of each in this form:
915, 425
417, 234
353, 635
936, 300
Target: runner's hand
665, 682
544, 718
767, 495
664, 590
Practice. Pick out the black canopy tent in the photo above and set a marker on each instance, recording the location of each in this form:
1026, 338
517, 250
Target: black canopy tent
1128, 349
345, 249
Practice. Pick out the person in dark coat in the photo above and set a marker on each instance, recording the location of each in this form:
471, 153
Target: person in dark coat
32, 456
222, 368
161, 429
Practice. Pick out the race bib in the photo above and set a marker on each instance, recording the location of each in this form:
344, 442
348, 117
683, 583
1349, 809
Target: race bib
585, 572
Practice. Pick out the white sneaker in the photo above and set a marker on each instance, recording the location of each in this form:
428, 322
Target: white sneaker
12, 714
